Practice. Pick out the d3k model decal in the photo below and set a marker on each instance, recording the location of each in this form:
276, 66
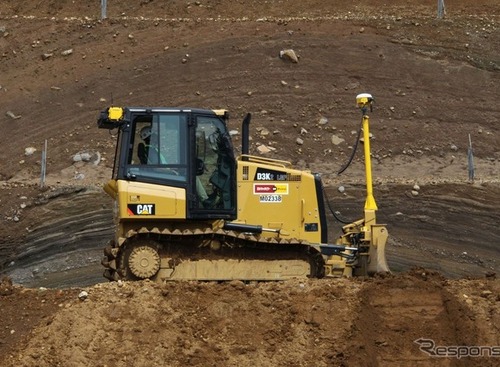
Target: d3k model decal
264, 174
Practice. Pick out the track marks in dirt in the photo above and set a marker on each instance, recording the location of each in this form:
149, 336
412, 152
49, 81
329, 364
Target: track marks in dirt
396, 311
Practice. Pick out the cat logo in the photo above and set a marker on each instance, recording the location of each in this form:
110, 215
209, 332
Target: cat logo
141, 209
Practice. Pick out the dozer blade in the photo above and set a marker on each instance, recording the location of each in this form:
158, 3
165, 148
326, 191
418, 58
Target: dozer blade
378, 262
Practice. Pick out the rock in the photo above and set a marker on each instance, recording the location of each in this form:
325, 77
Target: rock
263, 149
486, 293
234, 132
238, 284
85, 157
6, 287
289, 55
83, 296
12, 115
337, 140
351, 86
264, 132
414, 192
323, 121
67, 52
416, 187
303, 131
46, 56
88, 157
299, 141
341, 189
453, 147
29, 151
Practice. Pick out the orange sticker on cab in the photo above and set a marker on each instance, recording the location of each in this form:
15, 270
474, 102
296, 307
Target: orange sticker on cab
261, 189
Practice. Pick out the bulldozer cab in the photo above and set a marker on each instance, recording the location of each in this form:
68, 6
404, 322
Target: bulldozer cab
182, 148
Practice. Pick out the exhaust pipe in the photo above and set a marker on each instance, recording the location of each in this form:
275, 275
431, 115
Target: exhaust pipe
245, 131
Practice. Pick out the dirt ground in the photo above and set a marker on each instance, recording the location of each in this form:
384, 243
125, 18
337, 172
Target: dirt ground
436, 85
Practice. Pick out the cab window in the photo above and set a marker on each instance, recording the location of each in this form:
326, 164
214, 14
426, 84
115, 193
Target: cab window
214, 165
158, 148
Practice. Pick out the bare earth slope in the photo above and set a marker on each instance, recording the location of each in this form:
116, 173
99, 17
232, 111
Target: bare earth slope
435, 84
322, 323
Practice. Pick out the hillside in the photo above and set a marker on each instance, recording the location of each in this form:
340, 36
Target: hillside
435, 83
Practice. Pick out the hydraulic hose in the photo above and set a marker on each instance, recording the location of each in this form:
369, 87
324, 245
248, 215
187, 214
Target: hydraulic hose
348, 163
335, 214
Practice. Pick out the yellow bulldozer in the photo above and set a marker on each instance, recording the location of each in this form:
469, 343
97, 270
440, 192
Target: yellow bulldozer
186, 208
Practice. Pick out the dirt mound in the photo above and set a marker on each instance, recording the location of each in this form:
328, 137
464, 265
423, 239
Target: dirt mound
195, 324
339, 322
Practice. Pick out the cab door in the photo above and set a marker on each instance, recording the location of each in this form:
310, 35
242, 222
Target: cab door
213, 185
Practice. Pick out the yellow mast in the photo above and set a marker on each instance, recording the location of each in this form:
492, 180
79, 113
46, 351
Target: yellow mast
364, 101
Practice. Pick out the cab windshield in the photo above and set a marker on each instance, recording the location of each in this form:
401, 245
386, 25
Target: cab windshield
158, 147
